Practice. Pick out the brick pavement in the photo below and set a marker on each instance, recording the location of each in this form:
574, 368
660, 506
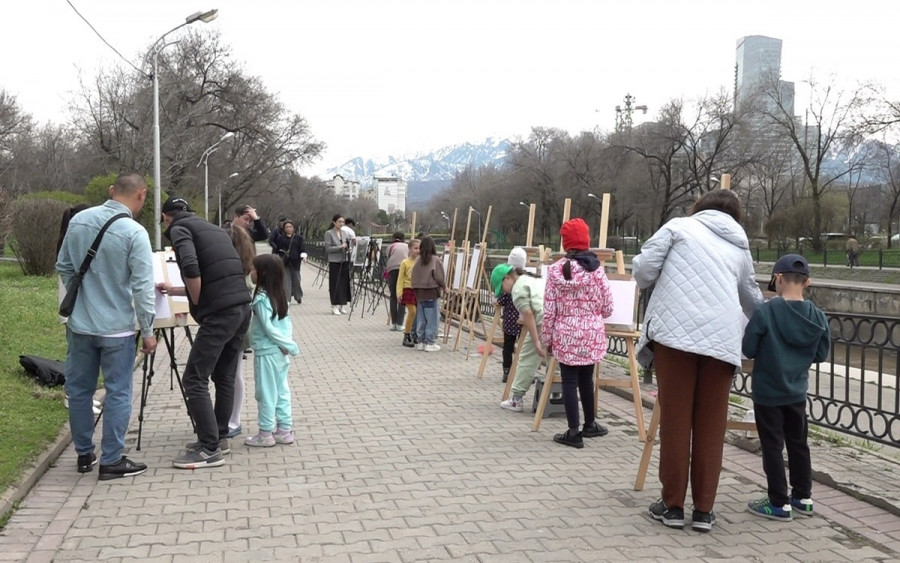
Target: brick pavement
405, 456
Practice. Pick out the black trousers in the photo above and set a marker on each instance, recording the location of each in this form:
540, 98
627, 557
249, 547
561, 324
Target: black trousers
509, 348
215, 355
578, 380
339, 282
398, 311
780, 427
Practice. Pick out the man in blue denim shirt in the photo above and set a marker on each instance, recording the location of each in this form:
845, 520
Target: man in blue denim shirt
100, 332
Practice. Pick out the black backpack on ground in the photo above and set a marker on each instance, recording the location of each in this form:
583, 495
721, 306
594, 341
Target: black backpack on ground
48, 373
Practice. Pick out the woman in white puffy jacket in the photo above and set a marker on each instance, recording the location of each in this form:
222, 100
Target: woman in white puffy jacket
703, 283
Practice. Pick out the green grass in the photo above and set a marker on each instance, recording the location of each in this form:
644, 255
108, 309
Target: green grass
31, 416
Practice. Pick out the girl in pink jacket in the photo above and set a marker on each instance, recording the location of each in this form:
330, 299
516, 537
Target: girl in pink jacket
577, 299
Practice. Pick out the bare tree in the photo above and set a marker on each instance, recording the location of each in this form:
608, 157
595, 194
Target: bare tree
829, 122
886, 166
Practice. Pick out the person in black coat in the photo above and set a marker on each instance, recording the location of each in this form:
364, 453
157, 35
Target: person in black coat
288, 244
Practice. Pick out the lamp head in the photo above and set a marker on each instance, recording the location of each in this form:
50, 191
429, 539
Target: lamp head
205, 17
234, 175
228, 135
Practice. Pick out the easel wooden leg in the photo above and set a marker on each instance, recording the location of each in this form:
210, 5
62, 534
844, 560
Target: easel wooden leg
489, 342
648, 448
636, 389
549, 379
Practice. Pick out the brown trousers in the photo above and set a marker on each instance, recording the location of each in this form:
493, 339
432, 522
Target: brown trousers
693, 391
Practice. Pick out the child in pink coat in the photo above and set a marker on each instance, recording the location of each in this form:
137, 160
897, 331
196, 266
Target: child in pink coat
577, 299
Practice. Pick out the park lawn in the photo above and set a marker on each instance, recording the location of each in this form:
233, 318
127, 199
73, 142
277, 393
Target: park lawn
31, 416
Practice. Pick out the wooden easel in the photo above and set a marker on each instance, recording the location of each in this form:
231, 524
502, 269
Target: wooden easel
449, 254
472, 291
456, 291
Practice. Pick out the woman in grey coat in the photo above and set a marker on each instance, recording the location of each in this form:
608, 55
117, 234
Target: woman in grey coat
703, 283
337, 248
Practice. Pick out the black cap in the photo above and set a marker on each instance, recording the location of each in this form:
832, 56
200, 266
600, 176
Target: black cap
174, 204
789, 264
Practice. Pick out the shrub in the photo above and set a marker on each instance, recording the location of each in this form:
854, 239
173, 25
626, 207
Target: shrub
35, 227
68, 198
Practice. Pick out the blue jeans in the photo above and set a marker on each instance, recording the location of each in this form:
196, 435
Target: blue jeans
427, 319
86, 356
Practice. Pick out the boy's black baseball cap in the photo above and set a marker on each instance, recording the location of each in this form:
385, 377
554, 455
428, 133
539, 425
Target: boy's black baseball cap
789, 264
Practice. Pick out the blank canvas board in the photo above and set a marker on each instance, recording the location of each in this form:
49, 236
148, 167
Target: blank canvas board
473, 268
624, 294
458, 266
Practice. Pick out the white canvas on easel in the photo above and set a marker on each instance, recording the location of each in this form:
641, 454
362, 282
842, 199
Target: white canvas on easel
474, 267
624, 293
458, 266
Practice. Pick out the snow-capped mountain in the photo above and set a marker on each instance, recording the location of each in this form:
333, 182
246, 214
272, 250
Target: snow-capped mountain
439, 165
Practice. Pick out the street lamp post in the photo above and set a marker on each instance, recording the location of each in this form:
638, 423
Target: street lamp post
204, 160
158, 46
447, 217
219, 191
479, 220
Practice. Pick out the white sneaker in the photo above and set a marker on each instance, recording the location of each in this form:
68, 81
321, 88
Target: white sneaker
342, 311
335, 310
432, 348
420, 346
512, 404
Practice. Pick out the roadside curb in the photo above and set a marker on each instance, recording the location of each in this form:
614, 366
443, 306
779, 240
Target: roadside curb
34, 473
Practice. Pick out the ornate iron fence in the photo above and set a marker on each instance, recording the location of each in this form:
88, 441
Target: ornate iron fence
855, 391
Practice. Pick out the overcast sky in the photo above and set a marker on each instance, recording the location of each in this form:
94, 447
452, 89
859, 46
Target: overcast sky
380, 77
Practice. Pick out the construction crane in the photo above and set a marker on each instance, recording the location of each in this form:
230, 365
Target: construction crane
623, 114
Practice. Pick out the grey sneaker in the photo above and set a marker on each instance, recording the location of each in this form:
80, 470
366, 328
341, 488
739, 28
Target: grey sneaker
199, 459
670, 517
224, 445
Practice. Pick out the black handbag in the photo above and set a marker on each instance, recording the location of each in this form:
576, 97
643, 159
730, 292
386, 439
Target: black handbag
68, 302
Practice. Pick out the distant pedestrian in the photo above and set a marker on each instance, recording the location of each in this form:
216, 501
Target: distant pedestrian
577, 299
428, 283
247, 217
785, 336
337, 249
289, 246
852, 248
242, 242
407, 295
511, 325
396, 254
271, 338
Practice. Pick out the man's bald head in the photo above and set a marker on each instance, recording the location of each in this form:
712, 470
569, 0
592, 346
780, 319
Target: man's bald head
130, 189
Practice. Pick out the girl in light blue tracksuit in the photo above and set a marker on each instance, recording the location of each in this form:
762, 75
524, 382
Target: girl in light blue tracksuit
271, 338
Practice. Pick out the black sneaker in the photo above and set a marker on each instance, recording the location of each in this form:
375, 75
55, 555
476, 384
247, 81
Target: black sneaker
505, 374
408, 341
670, 517
569, 438
124, 468
703, 521
86, 462
595, 430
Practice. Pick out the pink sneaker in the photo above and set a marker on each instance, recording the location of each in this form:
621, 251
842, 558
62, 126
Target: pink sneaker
283, 436
261, 440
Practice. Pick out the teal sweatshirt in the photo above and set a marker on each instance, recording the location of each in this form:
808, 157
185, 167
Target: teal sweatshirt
268, 335
785, 338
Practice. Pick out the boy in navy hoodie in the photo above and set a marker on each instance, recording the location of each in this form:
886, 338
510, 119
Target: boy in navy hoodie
785, 336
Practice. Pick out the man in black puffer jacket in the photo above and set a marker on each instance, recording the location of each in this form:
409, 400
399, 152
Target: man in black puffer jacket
220, 303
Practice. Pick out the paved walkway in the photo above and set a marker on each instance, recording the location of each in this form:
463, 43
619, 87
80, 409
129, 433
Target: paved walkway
405, 456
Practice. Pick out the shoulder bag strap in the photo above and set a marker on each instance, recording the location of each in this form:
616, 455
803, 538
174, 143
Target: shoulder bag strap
93, 250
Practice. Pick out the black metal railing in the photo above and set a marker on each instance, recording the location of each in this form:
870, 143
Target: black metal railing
856, 390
